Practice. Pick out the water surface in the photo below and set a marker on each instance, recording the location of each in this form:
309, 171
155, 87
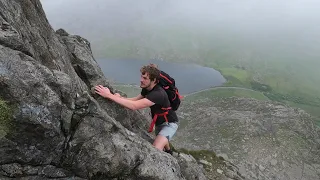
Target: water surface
189, 77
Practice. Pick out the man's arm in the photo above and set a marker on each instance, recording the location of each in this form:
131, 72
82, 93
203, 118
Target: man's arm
131, 104
132, 99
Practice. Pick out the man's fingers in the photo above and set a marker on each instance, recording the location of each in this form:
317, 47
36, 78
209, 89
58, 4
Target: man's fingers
98, 92
101, 86
98, 88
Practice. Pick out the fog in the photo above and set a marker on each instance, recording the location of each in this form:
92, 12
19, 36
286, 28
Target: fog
264, 23
262, 15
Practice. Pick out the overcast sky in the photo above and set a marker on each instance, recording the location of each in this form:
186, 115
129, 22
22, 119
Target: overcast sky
292, 22
299, 14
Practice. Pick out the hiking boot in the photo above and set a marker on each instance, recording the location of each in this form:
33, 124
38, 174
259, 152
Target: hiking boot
169, 151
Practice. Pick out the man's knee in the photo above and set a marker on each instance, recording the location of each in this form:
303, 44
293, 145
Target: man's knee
158, 146
160, 142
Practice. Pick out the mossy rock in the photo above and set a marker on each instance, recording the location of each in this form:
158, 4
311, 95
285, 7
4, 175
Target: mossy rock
207, 155
5, 118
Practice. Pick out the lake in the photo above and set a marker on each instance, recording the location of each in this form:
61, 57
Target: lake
189, 77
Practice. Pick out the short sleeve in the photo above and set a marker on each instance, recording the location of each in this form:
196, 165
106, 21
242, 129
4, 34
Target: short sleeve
155, 97
144, 92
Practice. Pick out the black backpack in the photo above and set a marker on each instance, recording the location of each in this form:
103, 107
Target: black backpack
169, 85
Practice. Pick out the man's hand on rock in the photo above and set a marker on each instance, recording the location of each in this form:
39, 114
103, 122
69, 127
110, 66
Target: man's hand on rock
103, 91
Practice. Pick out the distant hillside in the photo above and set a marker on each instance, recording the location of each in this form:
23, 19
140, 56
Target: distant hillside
266, 140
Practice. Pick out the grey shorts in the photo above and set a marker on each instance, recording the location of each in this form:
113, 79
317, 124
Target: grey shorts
167, 130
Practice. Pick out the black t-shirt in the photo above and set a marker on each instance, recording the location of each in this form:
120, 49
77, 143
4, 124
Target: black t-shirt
159, 96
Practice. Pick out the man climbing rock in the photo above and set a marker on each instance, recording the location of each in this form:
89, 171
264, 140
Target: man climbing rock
154, 96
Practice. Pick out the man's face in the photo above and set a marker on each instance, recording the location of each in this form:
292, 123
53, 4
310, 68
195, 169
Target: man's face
145, 81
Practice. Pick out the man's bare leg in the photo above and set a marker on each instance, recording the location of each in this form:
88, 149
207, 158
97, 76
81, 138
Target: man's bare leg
160, 142
167, 146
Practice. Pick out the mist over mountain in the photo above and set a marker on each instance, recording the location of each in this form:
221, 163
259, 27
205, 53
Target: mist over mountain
268, 24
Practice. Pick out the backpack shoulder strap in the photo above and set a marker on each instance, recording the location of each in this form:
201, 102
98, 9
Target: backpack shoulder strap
167, 77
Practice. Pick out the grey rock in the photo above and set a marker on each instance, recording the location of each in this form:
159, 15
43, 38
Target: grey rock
224, 156
273, 162
264, 139
62, 32
190, 168
204, 162
47, 171
58, 128
261, 168
219, 171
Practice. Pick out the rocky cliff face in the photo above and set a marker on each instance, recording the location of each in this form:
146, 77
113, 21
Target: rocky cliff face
266, 140
51, 126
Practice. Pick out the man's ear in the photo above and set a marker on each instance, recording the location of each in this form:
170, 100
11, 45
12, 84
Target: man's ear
155, 81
